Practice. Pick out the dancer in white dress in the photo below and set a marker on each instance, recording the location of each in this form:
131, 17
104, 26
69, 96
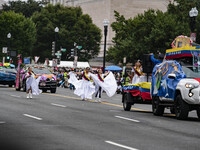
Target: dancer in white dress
98, 89
32, 84
107, 84
84, 87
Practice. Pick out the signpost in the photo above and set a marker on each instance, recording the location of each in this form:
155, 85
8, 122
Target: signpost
27, 60
79, 47
13, 53
75, 61
63, 50
54, 62
58, 54
4, 50
193, 36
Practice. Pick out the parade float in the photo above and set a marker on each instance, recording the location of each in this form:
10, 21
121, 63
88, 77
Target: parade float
175, 82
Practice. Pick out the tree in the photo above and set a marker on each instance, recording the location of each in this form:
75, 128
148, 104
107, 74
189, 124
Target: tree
23, 32
152, 31
27, 8
74, 26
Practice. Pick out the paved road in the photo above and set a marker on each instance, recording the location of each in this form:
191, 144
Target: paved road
62, 121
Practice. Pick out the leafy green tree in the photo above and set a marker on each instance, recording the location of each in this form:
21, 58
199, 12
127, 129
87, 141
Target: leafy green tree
27, 8
74, 26
23, 32
152, 31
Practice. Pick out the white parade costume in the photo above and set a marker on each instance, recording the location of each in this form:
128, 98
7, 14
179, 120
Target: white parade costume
139, 79
84, 87
32, 83
109, 85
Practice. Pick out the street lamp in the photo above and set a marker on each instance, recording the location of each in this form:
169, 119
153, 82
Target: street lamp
8, 51
105, 24
56, 35
193, 14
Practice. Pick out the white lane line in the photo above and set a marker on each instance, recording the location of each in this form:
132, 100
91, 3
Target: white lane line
34, 117
127, 119
119, 145
15, 96
2, 122
54, 104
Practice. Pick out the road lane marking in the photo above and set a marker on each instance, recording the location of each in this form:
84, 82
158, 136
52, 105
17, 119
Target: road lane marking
15, 96
106, 103
2, 122
120, 145
54, 104
34, 117
127, 119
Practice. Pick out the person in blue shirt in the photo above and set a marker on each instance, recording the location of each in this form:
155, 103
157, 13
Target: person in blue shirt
157, 61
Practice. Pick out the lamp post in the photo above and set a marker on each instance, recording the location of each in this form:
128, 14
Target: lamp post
193, 14
8, 51
105, 24
56, 36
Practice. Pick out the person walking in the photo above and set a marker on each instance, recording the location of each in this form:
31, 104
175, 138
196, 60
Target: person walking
32, 84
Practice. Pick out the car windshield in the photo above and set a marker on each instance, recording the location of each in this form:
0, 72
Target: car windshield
42, 71
189, 73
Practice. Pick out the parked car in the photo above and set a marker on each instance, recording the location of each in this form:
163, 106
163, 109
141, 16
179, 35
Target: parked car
7, 76
47, 81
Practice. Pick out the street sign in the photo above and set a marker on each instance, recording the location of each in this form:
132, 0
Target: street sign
75, 61
54, 62
13, 53
4, 50
27, 60
63, 50
193, 36
58, 54
79, 47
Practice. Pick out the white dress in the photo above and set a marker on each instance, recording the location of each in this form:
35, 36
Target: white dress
109, 85
136, 78
139, 79
83, 88
32, 83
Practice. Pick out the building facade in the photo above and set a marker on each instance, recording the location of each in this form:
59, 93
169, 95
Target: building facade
104, 9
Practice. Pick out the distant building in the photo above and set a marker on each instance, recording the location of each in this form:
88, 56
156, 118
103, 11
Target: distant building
104, 9
1, 3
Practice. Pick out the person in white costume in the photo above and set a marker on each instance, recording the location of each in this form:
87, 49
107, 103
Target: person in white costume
98, 89
32, 84
107, 84
84, 87
137, 73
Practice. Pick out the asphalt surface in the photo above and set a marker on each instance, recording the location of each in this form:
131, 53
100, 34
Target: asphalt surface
62, 121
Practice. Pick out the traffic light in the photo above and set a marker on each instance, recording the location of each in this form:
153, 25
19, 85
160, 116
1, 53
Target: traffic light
53, 48
72, 52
